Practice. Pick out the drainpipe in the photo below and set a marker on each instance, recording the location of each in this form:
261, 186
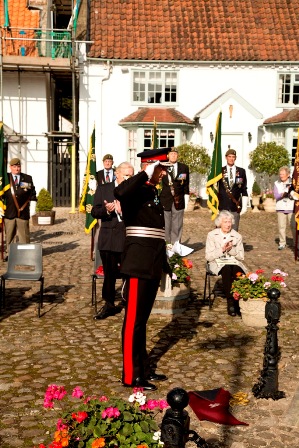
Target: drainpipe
109, 68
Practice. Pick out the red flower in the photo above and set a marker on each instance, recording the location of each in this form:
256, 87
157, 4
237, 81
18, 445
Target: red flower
260, 271
100, 270
277, 278
80, 416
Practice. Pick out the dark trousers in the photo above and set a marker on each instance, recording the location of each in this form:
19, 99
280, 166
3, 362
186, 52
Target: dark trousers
228, 274
111, 262
140, 295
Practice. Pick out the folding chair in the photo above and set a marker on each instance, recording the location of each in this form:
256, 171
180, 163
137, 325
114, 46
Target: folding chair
94, 277
25, 262
211, 292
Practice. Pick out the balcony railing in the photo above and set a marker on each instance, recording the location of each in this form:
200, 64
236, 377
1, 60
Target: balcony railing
36, 42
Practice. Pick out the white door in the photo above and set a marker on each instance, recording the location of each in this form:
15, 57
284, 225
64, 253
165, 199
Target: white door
234, 141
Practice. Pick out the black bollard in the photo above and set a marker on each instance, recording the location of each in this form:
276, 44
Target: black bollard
267, 386
176, 421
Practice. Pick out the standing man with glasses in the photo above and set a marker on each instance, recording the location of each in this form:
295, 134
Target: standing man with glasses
174, 197
17, 200
232, 188
107, 174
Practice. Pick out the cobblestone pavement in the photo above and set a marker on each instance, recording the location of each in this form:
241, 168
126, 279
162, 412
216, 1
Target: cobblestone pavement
198, 350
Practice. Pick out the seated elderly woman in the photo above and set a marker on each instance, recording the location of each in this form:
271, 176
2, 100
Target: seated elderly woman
224, 252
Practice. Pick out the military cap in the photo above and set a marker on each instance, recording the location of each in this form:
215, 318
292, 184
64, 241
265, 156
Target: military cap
108, 156
15, 161
152, 155
173, 149
230, 151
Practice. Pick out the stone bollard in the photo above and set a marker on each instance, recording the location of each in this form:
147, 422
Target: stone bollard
267, 386
175, 432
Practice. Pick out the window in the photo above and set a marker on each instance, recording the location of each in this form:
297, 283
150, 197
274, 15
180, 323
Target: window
277, 135
165, 138
155, 87
288, 89
294, 145
132, 142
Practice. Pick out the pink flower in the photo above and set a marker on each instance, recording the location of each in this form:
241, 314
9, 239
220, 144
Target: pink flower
103, 398
236, 296
77, 392
163, 404
253, 277
267, 285
110, 413
174, 276
60, 426
48, 403
283, 285
152, 404
143, 407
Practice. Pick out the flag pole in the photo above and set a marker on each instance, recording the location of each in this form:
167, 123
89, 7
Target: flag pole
215, 172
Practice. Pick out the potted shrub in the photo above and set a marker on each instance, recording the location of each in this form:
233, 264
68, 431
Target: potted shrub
45, 215
255, 196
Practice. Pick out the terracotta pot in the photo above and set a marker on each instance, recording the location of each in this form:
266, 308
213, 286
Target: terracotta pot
253, 312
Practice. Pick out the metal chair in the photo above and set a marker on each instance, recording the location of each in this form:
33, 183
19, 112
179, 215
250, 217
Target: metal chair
94, 277
211, 292
25, 263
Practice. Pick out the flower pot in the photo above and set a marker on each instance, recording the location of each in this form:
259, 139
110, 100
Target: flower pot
269, 205
171, 299
46, 218
253, 312
255, 201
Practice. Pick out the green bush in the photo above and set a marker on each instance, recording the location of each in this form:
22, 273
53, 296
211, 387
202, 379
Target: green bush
256, 189
196, 157
44, 201
267, 158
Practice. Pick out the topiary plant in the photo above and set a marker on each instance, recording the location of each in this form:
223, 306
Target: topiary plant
256, 189
267, 158
196, 157
44, 201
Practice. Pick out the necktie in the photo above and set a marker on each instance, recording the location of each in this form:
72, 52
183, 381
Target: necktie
16, 180
231, 179
107, 178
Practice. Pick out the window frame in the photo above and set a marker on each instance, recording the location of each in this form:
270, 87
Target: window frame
282, 89
168, 82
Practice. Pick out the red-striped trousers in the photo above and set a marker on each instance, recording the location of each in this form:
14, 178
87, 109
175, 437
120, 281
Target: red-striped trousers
140, 295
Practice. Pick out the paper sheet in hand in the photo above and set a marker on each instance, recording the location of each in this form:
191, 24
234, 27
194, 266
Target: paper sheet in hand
181, 250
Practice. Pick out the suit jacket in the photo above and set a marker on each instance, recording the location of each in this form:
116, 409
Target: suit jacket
24, 191
214, 245
100, 176
238, 189
112, 231
180, 185
142, 257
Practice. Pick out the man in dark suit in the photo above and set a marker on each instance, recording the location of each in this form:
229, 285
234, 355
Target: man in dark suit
174, 197
107, 174
143, 260
111, 236
232, 188
17, 201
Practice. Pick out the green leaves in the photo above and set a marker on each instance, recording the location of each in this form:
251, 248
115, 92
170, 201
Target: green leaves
196, 157
267, 158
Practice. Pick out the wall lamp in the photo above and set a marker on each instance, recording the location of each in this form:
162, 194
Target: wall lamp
249, 137
211, 137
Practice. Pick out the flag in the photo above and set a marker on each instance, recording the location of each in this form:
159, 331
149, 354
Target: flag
295, 182
4, 180
89, 186
216, 171
154, 144
213, 406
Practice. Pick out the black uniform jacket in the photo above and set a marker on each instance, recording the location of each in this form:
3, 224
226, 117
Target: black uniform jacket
142, 257
24, 191
112, 231
100, 176
180, 185
238, 189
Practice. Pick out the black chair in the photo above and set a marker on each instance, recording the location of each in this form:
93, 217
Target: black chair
94, 277
25, 263
207, 287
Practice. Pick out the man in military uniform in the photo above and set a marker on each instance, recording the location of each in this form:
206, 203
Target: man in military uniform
143, 260
17, 200
232, 188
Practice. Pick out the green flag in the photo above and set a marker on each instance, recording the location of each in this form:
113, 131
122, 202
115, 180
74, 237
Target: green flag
4, 180
154, 144
89, 186
216, 171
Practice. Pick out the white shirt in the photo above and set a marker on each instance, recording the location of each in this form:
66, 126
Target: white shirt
233, 168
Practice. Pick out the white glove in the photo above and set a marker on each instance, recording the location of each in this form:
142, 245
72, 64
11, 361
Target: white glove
1, 212
186, 197
294, 195
244, 205
151, 168
32, 208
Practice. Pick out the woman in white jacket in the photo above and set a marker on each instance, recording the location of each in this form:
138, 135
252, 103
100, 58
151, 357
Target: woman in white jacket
224, 254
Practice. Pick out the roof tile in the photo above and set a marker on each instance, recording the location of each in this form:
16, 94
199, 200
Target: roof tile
161, 115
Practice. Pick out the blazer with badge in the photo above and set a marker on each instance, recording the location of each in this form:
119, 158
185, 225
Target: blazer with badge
24, 192
238, 190
142, 257
180, 186
112, 231
100, 176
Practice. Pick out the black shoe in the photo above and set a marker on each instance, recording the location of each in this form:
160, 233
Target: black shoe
156, 377
231, 307
106, 311
142, 383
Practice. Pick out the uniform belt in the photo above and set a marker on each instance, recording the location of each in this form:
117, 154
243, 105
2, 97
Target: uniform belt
147, 232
